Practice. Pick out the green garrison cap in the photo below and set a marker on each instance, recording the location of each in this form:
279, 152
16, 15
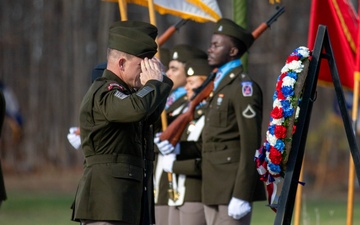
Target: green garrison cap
150, 29
133, 40
230, 28
185, 52
198, 67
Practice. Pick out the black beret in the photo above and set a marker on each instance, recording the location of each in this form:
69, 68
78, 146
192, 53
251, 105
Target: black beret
230, 28
98, 71
185, 52
198, 67
150, 29
132, 40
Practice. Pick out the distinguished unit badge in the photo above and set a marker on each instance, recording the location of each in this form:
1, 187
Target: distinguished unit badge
114, 85
247, 89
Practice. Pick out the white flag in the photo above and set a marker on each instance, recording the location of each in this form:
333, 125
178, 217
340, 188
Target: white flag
197, 10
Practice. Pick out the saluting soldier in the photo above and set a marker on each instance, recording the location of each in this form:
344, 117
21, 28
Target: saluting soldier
232, 131
179, 55
116, 117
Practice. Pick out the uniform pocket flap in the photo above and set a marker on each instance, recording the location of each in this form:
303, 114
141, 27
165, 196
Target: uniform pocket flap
127, 171
223, 157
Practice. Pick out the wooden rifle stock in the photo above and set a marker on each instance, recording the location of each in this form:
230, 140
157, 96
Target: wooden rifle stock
174, 131
170, 31
263, 26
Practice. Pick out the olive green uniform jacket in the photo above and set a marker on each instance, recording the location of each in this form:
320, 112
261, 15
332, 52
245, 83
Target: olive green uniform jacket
117, 142
231, 134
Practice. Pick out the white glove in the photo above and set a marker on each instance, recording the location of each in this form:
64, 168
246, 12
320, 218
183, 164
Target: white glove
168, 162
164, 146
238, 208
74, 138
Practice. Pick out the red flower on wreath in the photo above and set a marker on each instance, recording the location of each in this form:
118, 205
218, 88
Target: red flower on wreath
275, 156
277, 113
280, 131
292, 58
280, 81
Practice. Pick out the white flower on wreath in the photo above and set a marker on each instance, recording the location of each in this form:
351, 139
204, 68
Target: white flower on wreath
278, 121
277, 103
304, 51
295, 66
271, 138
289, 81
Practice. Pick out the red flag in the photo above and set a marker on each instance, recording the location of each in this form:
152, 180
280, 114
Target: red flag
342, 24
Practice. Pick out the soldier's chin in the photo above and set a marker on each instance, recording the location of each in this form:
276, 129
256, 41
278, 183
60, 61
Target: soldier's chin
211, 62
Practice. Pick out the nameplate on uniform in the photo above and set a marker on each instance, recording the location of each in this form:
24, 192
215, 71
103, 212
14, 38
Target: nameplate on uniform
120, 95
146, 90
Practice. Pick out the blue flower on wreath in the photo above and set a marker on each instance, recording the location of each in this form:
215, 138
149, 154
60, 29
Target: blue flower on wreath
288, 112
287, 109
296, 53
292, 75
271, 129
288, 91
275, 95
267, 146
280, 145
275, 168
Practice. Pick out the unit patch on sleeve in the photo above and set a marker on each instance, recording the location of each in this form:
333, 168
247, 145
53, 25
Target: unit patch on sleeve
146, 90
120, 95
247, 88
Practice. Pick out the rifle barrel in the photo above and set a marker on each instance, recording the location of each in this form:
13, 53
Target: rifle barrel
278, 13
263, 26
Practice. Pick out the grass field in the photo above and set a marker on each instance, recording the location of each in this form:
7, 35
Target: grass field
44, 201
54, 208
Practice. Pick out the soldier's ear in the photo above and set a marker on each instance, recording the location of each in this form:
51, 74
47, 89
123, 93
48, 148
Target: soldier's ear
233, 51
122, 63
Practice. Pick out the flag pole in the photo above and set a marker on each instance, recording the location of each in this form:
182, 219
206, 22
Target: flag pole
122, 8
153, 22
171, 191
298, 200
351, 180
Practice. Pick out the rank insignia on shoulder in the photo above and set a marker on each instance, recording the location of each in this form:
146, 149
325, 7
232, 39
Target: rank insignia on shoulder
120, 95
249, 112
247, 88
144, 91
115, 85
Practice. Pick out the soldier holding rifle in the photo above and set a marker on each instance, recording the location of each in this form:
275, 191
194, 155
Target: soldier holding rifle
179, 55
185, 161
